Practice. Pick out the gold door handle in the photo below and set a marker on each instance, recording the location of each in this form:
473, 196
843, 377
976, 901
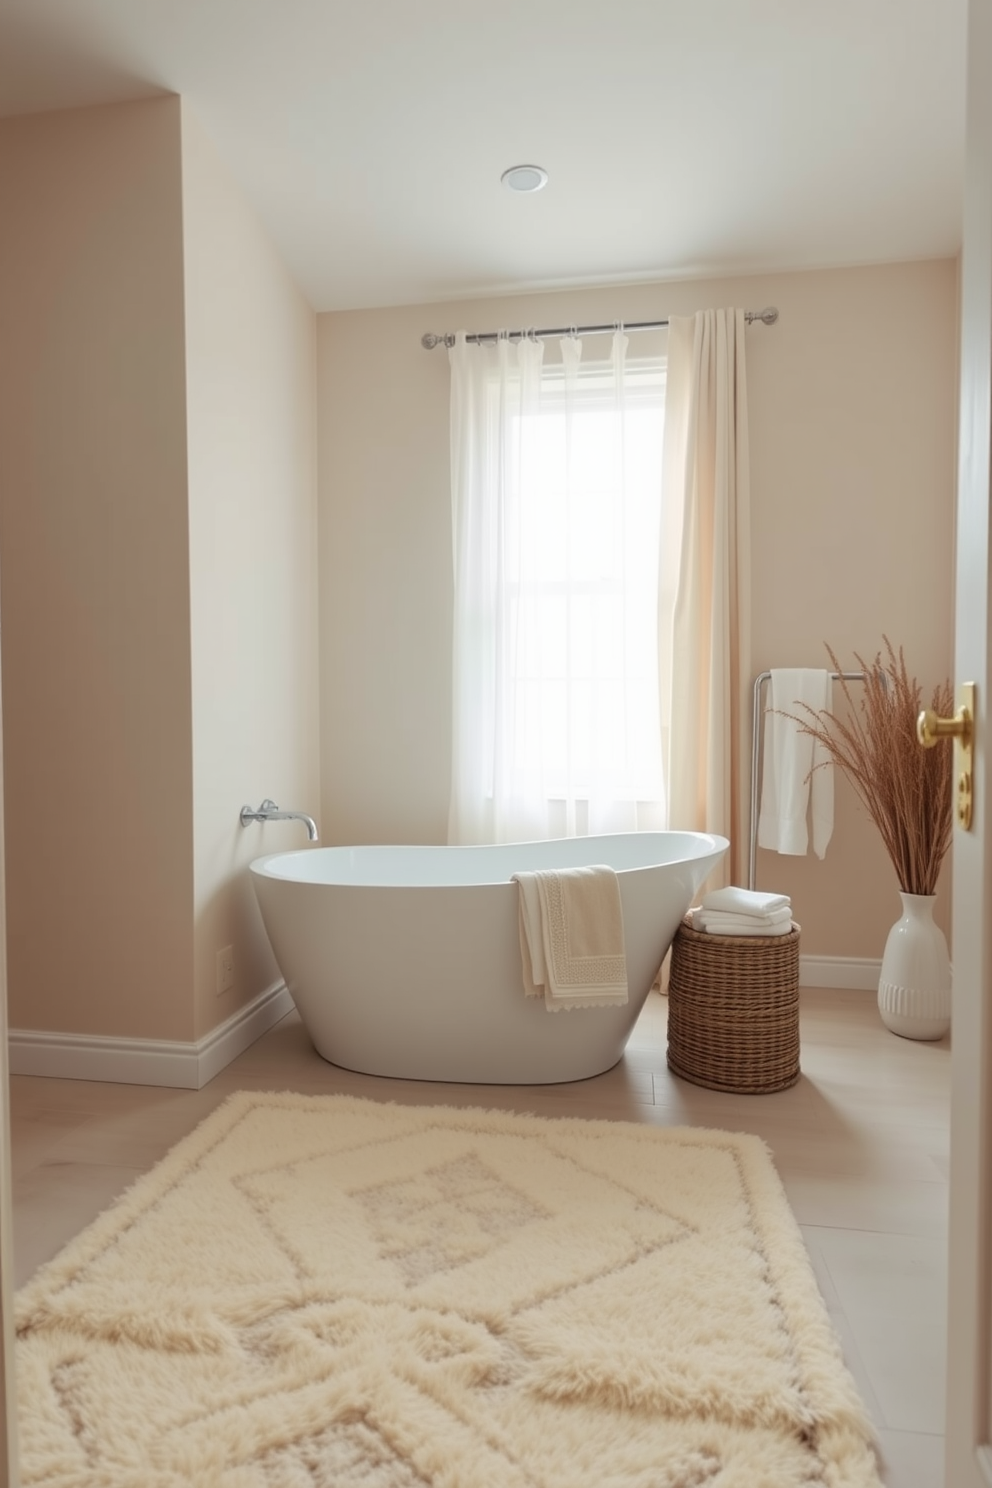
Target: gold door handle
930, 729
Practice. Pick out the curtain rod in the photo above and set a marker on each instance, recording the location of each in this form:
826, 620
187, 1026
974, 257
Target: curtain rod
428, 340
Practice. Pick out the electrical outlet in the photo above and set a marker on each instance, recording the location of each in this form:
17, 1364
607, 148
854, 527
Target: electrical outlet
225, 970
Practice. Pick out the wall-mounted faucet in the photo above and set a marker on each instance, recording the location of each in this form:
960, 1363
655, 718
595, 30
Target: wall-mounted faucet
269, 811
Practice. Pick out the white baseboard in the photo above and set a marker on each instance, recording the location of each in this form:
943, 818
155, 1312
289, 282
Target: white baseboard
123, 1061
839, 971
231, 1038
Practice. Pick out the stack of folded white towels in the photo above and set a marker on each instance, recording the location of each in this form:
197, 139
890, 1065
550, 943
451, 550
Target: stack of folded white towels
742, 912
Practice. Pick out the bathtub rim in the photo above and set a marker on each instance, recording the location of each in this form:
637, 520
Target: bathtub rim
703, 844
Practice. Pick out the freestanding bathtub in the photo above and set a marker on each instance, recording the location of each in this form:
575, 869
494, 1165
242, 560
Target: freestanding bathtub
405, 961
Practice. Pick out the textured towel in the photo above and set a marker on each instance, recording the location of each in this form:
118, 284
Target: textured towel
744, 901
797, 772
715, 919
699, 922
571, 937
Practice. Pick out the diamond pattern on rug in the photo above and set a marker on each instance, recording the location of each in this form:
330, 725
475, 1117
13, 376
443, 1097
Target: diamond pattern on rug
465, 1220
445, 1216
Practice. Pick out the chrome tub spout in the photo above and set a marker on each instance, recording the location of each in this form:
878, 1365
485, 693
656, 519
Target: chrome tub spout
269, 811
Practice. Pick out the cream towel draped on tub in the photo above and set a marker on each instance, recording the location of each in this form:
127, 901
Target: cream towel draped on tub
571, 937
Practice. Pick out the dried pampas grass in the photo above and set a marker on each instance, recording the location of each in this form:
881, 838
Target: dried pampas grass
905, 789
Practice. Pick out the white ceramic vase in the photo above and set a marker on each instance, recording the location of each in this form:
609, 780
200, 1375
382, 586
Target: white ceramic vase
914, 988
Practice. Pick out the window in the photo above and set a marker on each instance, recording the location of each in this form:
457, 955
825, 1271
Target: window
569, 463
581, 589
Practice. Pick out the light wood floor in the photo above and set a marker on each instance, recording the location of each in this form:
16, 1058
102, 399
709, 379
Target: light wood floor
861, 1144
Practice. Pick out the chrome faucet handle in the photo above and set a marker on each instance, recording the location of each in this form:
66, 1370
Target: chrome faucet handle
257, 813
269, 811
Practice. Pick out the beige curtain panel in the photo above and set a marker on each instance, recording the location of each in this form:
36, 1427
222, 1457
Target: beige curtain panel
704, 591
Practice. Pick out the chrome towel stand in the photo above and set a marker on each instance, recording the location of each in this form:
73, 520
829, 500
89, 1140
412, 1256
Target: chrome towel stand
760, 682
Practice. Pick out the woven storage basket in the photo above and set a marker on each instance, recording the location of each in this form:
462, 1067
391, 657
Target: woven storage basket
733, 1010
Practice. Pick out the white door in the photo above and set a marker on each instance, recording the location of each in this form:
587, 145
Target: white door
8, 1417
8, 1410
969, 1383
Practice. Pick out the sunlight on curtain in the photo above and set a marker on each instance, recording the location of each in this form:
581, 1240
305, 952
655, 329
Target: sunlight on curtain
556, 482
706, 582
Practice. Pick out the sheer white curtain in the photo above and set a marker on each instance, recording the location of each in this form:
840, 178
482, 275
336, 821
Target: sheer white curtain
556, 478
705, 584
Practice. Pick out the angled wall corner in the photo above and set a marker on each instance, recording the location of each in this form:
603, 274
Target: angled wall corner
158, 578
250, 338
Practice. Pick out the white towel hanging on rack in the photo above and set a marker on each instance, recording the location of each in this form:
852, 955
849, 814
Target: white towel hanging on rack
797, 775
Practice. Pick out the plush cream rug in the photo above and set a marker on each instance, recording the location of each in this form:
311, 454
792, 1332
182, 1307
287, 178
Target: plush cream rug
325, 1292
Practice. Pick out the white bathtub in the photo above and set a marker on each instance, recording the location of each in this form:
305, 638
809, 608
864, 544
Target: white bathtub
405, 961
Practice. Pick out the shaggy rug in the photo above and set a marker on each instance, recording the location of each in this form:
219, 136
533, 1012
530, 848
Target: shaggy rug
337, 1292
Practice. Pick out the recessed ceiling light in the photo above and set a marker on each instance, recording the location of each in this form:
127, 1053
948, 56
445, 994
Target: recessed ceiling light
524, 178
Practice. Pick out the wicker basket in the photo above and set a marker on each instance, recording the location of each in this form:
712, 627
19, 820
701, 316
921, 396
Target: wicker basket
733, 1010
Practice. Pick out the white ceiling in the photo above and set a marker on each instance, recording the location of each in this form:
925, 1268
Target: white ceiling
682, 137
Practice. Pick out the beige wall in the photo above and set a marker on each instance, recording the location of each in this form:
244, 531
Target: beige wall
852, 420
157, 570
251, 386
94, 574
853, 469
